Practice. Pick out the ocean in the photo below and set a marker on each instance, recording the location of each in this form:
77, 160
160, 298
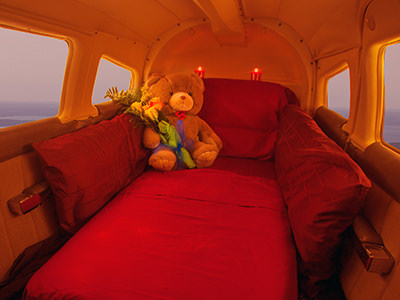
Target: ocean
391, 128
14, 113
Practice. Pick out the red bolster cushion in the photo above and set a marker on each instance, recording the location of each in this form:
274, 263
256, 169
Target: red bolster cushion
244, 114
322, 186
86, 168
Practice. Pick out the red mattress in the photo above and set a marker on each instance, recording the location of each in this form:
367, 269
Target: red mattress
217, 233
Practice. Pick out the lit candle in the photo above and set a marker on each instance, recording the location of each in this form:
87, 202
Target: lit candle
200, 71
256, 74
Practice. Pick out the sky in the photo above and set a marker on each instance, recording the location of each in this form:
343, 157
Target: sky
32, 69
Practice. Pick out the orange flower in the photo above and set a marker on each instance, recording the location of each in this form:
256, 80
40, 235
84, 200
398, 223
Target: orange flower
156, 103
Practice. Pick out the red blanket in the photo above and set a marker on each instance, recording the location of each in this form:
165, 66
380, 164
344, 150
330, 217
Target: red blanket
191, 234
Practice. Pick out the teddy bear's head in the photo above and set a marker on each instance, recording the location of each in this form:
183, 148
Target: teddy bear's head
178, 92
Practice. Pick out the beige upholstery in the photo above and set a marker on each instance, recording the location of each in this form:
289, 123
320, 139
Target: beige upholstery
331, 123
20, 169
382, 210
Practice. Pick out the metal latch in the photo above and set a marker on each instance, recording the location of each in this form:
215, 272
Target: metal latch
28, 199
370, 248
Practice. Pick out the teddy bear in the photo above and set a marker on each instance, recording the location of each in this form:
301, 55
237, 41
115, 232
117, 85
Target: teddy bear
182, 98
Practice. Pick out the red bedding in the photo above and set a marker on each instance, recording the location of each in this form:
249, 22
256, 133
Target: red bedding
217, 233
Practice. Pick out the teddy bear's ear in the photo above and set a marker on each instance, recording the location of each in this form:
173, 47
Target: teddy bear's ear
153, 78
198, 80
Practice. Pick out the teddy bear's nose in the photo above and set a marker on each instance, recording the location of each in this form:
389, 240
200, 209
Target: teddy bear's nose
183, 97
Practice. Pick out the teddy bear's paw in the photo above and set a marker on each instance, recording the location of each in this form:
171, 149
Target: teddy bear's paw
151, 139
206, 159
163, 160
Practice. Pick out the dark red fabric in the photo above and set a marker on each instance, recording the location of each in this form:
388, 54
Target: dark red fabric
246, 166
244, 114
189, 234
322, 186
86, 168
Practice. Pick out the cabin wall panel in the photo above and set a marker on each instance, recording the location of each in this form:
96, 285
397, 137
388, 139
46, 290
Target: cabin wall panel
357, 282
264, 48
330, 66
5, 250
370, 286
21, 231
381, 26
20, 169
382, 210
351, 272
376, 207
393, 291
341, 30
390, 232
127, 53
379, 286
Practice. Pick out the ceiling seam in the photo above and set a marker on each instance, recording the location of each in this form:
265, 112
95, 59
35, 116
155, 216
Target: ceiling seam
142, 38
169, 10
278, 15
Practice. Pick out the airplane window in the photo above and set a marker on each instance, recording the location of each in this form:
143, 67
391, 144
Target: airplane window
339, 93
391, 126
31, 76
109, 75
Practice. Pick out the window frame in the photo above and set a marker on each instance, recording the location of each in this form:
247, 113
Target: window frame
338, 70
132, 81
381, 60
65, 69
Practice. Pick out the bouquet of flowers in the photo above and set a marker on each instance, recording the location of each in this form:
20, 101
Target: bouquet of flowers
147, 110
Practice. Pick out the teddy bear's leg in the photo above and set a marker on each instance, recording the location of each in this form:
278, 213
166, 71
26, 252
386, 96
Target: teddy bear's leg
163, 160
204, 154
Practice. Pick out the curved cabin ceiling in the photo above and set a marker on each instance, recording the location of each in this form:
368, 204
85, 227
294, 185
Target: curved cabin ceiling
318, 22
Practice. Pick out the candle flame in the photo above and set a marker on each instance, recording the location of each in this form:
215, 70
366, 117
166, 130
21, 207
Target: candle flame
199, 68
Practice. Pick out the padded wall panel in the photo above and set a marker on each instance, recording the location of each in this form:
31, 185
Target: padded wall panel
382, 209
390, 232
359, 284
16, 140
19, 169
331, 123
6, 254
393, 289
369, 286
264, 48
11, 184
352, 269
375, 211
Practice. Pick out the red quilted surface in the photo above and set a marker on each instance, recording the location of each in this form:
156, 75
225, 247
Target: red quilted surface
86, 168
189, 234
244, 114
322, 186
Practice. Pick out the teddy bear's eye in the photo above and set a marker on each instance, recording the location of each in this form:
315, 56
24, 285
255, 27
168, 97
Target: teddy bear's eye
190, 94
171, 93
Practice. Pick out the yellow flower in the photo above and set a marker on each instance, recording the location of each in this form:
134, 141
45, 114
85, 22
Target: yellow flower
151, 113
136, 106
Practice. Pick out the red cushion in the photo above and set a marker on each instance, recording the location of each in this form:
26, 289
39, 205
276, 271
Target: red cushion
244, 115
322, 186
86, 168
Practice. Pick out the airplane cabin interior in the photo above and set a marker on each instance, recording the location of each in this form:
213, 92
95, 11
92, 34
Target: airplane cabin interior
221, 170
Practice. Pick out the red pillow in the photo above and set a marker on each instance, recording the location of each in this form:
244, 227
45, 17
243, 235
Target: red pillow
86, 168
244, 115
323, 189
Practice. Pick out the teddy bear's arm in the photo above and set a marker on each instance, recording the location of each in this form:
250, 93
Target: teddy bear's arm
207, 135
151, 139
